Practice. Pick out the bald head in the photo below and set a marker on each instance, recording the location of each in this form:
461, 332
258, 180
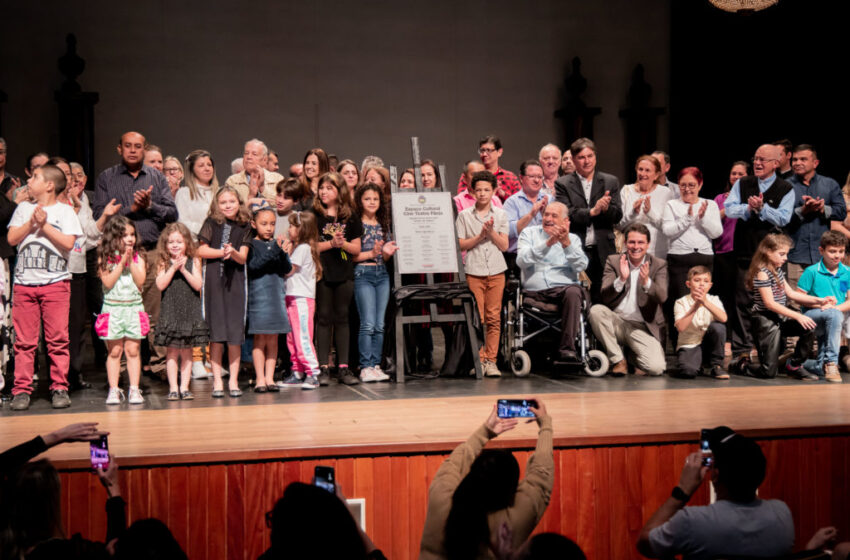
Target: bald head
766, 160
132, 150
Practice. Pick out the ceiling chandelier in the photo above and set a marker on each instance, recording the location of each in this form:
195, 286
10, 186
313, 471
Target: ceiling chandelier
743, 6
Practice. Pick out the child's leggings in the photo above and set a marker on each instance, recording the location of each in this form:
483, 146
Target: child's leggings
300, 339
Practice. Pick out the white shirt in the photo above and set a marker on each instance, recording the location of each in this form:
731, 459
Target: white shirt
628, 308
688, 234
39, 261
192, 213
590, 236
303, 282
658, 198
84, 243
485, 259
692, 336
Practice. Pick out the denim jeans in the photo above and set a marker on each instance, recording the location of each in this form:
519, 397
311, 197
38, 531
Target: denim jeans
828, 334
371, 292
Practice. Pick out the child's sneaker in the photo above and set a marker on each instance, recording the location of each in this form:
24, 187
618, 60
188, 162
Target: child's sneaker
367, 375
293, 380
115, 396
310, 383
135, 396
830, 371
379, 374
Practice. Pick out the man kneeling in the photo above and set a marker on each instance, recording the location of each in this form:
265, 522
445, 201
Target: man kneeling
634, 285
551, 259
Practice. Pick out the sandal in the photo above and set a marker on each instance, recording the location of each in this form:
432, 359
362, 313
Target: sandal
187, 396
235, 393
174, 396
218, 394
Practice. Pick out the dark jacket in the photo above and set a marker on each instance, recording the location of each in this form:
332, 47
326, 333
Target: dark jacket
568, 190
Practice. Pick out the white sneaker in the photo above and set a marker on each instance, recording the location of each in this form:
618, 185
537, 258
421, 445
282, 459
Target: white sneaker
367, 375
115, 396
379, 374
135, 396
491, 369
199, 371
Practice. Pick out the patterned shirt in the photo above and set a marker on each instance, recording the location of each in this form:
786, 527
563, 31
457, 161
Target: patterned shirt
507, 182
371, 235
776, 282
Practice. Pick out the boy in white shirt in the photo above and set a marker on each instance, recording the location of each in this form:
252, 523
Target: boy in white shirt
45, 232
700, 320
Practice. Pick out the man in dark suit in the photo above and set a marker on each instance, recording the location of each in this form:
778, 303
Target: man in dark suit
634, 287
593, 198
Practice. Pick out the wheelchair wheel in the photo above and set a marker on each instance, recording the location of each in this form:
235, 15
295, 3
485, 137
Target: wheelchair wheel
596, 364
521, 363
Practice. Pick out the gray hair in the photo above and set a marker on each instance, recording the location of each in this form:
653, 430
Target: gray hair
74, 165
564, 210
372, 161
236, 166
547, 147
260, 143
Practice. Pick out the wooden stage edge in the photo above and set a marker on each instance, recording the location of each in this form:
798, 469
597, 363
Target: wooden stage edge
249, 433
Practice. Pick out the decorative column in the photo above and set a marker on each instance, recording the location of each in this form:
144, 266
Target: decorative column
76, 110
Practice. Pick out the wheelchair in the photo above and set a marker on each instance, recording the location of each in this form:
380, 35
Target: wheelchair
523, 321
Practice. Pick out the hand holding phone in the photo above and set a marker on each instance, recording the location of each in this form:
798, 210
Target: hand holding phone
99, 450
515, 408
324, 477
705, 448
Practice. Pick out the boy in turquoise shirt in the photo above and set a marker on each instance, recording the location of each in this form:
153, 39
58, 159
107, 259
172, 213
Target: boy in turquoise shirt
829, 279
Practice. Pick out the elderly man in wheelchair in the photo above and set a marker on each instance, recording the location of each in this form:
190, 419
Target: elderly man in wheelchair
551, 259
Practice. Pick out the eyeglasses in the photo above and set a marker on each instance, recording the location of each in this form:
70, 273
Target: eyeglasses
688, 186
486, 150
763, 160
171, 169
534, 177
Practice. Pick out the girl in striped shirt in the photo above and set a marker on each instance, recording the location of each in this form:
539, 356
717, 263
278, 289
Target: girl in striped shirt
772, 320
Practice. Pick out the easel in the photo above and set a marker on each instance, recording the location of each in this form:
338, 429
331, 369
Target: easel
434, 315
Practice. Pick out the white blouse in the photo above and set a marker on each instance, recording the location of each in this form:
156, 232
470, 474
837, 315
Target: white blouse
192, 213
658, 198
688, 234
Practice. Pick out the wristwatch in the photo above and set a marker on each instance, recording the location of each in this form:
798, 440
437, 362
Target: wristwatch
679, 494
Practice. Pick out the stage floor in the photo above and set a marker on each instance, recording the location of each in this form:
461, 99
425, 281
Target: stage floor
425, 415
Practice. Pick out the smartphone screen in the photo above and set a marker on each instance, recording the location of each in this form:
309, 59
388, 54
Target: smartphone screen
323, 477
99, 453
705, 448
515, 408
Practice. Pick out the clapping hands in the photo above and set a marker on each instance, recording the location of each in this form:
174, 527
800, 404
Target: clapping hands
142, 199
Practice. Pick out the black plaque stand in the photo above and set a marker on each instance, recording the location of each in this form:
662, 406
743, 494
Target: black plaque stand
76, 110
433, 297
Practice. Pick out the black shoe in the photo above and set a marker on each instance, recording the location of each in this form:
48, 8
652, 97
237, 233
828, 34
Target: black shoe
324, 376
61, 399
77, 383
273, 388
347, 378
567, 356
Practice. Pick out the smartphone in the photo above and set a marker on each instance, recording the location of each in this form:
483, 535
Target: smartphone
515, 408
323, 477
99, 450
705, 449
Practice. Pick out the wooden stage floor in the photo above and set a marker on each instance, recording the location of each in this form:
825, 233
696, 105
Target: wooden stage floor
431, 416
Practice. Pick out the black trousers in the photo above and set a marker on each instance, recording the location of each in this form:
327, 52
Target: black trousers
569, 300
78, 313
742, 339
708, 352
768, 331
595, 268
724, 278
333, 300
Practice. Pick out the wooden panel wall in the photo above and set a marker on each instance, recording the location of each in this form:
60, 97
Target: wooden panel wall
602, 495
